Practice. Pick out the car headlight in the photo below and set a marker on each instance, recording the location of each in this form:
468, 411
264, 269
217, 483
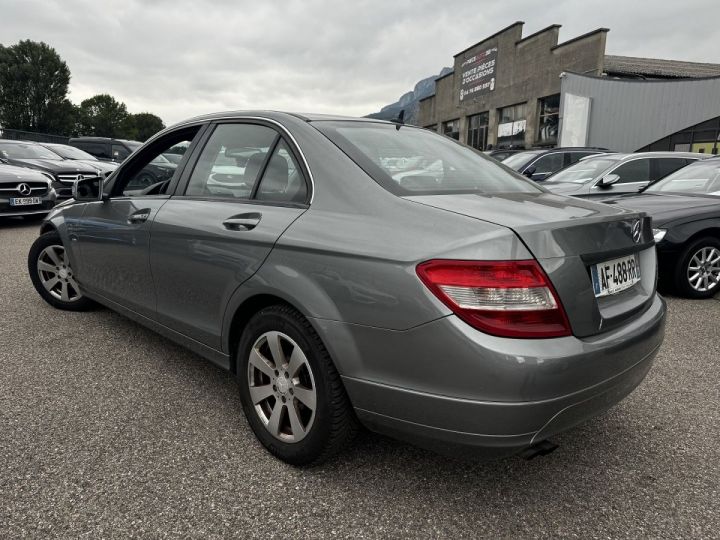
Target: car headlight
659, 234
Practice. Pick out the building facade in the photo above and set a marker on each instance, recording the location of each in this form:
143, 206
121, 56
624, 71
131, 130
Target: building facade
506, 91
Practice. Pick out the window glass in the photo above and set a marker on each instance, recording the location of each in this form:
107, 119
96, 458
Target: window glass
577, 156
701, 177
549, 163
119, 152
98, 150
452, 129
231, 161
282, 181
26, 151
519, 160
665, 166
549, 115
637, 170
583, 171
414, 161
511, 126
477, 130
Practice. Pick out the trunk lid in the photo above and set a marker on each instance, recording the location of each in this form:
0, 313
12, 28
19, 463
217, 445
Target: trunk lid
568, 236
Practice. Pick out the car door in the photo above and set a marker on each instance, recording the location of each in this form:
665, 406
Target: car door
633, 176
113, 235
244, 191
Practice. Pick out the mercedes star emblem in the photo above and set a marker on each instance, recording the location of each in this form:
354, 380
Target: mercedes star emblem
24, 189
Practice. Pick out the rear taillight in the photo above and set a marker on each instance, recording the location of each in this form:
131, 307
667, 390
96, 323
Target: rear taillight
503, 298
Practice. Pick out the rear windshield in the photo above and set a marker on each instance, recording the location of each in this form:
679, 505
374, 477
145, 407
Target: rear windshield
583, 171
414, 161
519, 160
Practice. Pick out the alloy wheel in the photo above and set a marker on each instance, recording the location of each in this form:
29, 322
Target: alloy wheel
282, 386
56, 275
703, 272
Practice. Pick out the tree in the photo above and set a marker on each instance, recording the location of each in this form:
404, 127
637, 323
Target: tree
143, 126
33, 88
102, 116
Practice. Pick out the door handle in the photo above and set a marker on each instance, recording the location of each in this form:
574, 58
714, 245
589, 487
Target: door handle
242, 222
141, 216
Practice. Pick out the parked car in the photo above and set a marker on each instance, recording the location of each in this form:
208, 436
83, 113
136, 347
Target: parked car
105, 148
471, 311
611, 174
34, 156
25, 192
540, 163
685, 207
75, 154
501, 153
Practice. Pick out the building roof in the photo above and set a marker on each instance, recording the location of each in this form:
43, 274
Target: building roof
656, 67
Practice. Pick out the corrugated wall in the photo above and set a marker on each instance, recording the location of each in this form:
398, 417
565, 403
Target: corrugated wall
626, 115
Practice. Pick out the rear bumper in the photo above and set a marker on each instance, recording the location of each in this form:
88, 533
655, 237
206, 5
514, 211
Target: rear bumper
497, 396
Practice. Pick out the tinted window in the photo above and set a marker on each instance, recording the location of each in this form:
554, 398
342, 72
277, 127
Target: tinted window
703, 177
231, 161
549, 163
119, 152
577, 156
665, 166
282, 180
409, 160
637, 170
99, 150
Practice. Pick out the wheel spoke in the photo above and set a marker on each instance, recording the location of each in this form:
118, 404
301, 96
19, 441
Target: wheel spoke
298, 430
53, 255
260, 393
274, 422
306, 397
64, 296
50, 283
278, 357
259, 362
74, 286
46, 267
297, 359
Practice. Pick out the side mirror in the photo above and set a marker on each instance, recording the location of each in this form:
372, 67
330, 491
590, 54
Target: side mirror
529, 171
88, 189
609, 180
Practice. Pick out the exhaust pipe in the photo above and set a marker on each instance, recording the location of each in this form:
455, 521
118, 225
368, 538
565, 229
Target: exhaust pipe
542, 448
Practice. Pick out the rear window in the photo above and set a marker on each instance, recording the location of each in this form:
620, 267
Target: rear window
414, 161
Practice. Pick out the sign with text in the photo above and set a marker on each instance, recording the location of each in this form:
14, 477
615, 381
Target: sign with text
478, 74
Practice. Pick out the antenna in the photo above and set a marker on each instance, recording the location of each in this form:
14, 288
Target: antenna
400, 120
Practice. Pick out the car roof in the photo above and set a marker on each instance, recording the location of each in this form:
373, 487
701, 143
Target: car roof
279, 115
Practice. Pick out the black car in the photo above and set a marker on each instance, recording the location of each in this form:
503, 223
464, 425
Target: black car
685, 207
502, 153
540, 163
105, 148
75, 154
34, 156
25, 192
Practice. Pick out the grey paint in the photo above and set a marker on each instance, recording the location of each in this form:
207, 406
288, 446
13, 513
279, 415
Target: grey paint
347, 261
627, 115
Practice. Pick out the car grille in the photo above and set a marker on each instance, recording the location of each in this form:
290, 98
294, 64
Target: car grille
70, 178
36, 189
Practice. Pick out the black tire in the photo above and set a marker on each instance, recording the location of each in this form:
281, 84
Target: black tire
50, 239
681, 279
334, 424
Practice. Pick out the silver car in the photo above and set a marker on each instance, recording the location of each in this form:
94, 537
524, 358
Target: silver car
449, 302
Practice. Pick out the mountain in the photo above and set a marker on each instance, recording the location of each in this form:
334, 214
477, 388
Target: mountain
410, 101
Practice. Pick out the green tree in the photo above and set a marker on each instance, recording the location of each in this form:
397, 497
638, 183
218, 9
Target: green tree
33, 88
145, 125
102, 116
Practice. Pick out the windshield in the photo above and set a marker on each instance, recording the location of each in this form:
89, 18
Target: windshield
160, 159
70, 152
413, 161
519, 160
702, 177
583, 171
26, 151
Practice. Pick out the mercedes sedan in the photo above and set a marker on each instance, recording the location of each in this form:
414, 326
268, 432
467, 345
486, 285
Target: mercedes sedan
457, 305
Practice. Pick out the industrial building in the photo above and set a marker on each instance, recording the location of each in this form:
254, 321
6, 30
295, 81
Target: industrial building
520, 92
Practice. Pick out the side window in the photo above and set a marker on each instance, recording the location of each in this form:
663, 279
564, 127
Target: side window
549, 163
283, 181
577, 156
231, 161
148, 172
637, 170
664, 166
119, 152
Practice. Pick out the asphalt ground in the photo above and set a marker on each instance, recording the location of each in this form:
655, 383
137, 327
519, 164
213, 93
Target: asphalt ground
109, 430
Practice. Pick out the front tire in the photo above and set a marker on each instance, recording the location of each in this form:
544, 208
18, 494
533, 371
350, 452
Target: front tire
52, 275
291, 393
697, 274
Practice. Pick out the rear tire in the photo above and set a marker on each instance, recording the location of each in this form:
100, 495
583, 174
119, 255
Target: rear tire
698, 269
296, 404
52, 275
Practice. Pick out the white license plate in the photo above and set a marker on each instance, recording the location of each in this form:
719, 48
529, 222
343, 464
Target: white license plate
24, 201
613, 276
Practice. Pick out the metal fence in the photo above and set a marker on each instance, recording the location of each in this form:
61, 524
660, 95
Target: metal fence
19, 135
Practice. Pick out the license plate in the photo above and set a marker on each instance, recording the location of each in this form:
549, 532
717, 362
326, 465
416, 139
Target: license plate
24, 201
613, 276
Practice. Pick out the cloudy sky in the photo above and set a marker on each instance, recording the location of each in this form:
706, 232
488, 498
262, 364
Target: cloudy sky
179, 58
